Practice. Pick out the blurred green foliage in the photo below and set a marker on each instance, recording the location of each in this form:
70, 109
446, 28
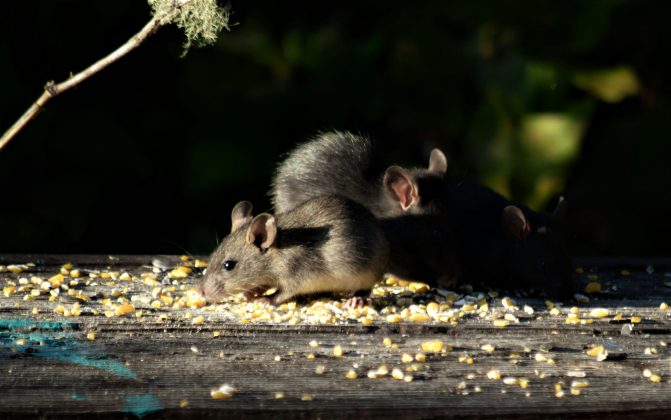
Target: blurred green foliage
534, 98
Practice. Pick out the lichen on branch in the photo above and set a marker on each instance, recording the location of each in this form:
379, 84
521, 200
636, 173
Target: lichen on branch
201, 20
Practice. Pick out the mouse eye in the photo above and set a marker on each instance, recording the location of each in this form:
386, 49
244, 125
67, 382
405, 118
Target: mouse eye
229, 265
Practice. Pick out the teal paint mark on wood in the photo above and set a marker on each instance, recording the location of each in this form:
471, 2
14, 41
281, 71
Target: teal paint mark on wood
141, 405
14, 324
53, 341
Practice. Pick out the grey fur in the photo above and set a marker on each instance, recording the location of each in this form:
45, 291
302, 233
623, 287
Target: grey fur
343, 163
326, 244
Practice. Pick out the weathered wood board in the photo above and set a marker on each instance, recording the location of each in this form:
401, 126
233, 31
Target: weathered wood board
155, 364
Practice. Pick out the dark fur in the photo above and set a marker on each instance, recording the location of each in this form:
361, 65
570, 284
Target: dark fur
461, 227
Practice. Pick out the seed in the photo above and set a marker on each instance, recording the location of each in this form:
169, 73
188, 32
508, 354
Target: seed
320, 369
198, 320
434, 346
406, 358
279, 395
494, 374
511, 318
56, 281
351, 374
540, 357
417, 287
223, 392
337, 351
91, 336
510, 380
307, 397
420, 357
655, 378
579, 384
397, 373
394, 318
124, 309
419, 317
555, 311
501, 323
647, 373
593, 287
523, 382
508, 303
378, 373
599, 352
664, 306
387, 341
488, 348
311, 356
599, 313
528, 309
200, 264
314, 344
635, 319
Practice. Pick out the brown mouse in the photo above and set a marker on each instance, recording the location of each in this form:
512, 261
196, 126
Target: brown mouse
326, 244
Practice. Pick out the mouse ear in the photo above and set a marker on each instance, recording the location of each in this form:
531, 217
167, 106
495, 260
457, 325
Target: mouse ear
560, 211
262, 231
241, 214
401, 187
438, 162
514, 221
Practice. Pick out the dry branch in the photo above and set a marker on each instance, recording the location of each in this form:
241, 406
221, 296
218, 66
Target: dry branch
165, 12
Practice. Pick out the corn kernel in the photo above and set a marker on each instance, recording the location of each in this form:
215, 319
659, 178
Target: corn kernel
351, 374
419, 317
397, 373
599, 313
523, 382
508, 303
307, 397
183, 404
91, 336
420, 357
337, 351
579, 384
434, 346
394, 318
593, 287
510, 380
406, 358
501, 323
387, 341
124, 309
488, 348
528, 309
599, 352
655, 378
198, 320
494, 374
664, 306
223, 392
417, 287
635, 319
320, 369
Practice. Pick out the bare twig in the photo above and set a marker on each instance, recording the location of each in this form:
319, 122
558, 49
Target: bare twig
52, 89
204, 13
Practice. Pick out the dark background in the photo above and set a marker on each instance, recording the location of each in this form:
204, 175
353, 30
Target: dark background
533, 98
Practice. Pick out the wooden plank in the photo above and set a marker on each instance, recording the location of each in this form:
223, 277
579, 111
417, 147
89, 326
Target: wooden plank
149, 365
